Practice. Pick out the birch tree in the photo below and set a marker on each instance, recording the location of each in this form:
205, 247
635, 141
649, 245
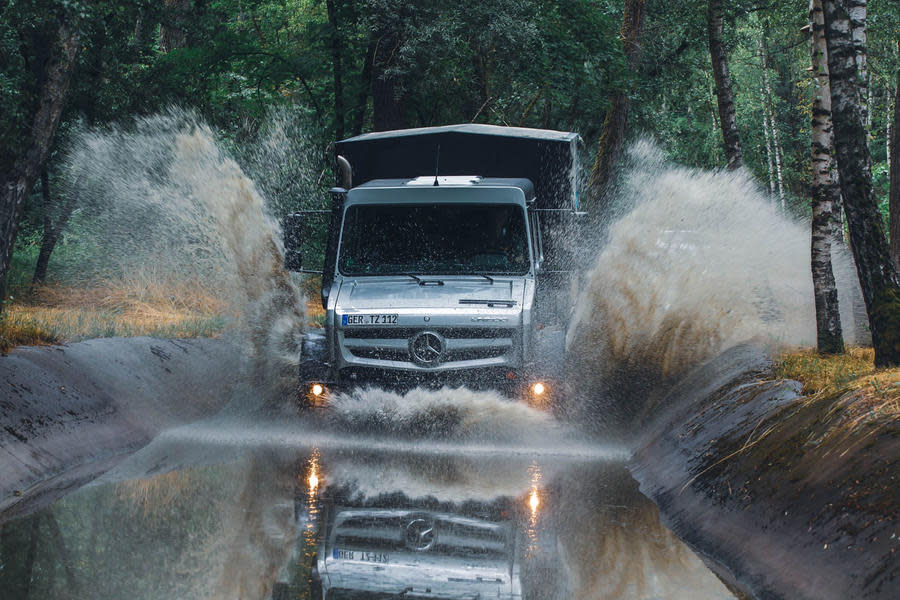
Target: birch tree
772, 125
878, 277
768, 137
894, 206
722, 77
824, 189
857, 12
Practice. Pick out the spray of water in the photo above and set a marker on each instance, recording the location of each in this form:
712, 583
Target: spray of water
700, 261
163, 193
457, 413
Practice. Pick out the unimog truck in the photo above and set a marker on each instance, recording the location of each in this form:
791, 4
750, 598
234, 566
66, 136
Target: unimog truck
449, 260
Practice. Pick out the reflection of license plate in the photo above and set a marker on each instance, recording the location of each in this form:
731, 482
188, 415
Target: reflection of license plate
373, 557
368, 319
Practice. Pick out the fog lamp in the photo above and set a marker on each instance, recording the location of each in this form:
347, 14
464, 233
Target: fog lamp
538, 388
317, 389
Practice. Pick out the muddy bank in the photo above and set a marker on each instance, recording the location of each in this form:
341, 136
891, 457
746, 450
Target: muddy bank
779, 493
69, 413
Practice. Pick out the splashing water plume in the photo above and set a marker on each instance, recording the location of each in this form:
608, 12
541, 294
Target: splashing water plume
700, 262
458, 413
168, 196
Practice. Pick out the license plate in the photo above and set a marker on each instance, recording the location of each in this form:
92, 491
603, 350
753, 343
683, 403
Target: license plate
378, 319
361, 555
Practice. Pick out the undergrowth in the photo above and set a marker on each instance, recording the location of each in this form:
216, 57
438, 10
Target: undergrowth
124, 308
859, 394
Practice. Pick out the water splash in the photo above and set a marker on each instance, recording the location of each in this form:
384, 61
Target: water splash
457, 413
162, 192
700, 261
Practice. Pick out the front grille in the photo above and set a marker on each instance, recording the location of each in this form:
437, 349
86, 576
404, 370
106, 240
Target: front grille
455, 535
462, 343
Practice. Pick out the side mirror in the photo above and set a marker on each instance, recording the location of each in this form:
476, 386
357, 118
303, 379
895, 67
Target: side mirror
293, 239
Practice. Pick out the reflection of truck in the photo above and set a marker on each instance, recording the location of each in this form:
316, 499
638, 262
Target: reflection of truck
448, 260
404, 552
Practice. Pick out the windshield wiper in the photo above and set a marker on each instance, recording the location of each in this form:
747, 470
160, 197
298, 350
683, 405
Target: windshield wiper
419, 280
490, 303
488, 277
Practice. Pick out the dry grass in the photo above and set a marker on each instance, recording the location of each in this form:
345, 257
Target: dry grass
132, 307
23, 333
862, 397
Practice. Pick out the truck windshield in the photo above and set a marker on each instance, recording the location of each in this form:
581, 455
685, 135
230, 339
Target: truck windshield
436, 239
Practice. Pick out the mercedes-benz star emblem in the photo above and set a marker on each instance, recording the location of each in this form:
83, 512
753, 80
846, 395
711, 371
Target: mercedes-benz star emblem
420, 535
426, 348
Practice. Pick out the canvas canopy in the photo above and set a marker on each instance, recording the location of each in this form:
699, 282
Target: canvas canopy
548, 158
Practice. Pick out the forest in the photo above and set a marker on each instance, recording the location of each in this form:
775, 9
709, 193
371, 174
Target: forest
715, 84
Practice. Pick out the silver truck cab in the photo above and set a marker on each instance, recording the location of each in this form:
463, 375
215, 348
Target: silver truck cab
434, 279
437, 280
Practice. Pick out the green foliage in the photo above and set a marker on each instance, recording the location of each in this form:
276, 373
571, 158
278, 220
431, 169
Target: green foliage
244, 64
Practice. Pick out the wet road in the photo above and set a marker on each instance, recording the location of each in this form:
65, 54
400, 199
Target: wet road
288, 510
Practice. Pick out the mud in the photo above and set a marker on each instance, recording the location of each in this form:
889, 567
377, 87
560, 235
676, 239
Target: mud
70, 413
759, 481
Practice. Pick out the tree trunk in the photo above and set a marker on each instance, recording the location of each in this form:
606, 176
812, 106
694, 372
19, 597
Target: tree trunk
770, 163
52, 230
387, 104
856, 9
16, 185
895, 179
612, 136
337, 71
776, 148
724, 94
877, 276
172, 33
362, 100
768, 107
824, 187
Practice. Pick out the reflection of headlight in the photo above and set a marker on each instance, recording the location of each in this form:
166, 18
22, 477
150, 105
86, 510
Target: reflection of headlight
538, 388
534, 501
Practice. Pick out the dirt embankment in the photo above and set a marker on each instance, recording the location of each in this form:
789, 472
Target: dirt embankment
785, 496
69, 413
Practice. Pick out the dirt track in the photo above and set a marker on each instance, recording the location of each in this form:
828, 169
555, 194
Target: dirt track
69, 413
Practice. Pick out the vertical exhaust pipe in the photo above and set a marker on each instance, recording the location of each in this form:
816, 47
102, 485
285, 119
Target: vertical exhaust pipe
346, 172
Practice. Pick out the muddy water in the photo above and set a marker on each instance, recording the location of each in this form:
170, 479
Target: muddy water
225, 510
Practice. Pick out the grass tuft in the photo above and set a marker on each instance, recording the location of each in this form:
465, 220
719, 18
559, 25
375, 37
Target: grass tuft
14, 332
861, 396
125, 308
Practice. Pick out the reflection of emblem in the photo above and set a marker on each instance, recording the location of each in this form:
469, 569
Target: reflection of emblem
426, 348
420, 534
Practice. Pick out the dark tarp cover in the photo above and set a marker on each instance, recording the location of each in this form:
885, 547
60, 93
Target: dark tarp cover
548, 158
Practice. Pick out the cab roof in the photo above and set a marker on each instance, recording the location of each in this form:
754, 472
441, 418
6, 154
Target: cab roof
455, 181
470, 128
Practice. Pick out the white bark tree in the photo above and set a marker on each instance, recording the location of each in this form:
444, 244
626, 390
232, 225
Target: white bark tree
768, 135
878, 278
824, 190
